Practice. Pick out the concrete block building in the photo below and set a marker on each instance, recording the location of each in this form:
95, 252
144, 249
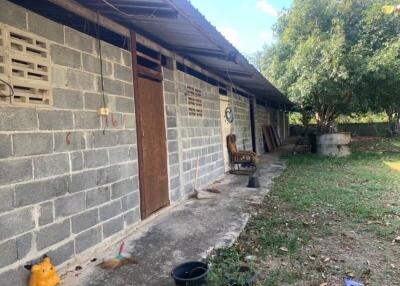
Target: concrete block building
106, 109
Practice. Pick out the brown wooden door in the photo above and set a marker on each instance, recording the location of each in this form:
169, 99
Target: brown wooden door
152, 150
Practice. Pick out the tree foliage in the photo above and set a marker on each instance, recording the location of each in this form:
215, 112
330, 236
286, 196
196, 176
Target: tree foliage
330, 53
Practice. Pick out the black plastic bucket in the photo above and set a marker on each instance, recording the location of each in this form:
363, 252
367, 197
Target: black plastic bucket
192, 273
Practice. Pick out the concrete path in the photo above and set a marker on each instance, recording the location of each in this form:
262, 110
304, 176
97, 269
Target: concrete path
187, 232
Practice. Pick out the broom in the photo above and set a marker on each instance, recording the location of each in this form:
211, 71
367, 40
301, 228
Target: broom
118, 261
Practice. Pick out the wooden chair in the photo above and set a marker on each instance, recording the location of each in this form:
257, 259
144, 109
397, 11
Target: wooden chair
245, 159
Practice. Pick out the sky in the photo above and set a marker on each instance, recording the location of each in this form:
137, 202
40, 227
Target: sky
247, 24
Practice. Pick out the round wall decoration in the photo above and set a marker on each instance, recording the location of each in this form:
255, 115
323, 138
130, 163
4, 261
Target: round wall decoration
229, 114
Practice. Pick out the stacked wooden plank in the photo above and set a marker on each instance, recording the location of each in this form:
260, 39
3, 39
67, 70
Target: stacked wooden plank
272, 140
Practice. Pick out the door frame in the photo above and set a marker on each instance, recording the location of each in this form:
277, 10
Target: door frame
253, 105
156, 76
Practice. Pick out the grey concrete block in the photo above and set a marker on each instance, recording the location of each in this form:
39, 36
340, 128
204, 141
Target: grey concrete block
113, 226
110, 210
17, 119
13, 15
6, 199
119, 154
172, 146
46, 213
52, 234
66, 57
170, 110
129, 121
46, 166
87, 239
84, 220
32, 143
173, 158
127, 137
66, 206
80, 80
169, 86
45, 28
107, 139
130, 201
129, 170
67, 99
97, 197
79, 41
69, 141
8, 252
170, 98
123, 73
93, 101
14, 277
76, 161
171, 122
111, 86
5, 146
128, 90
62, 253
133, 153
126, 58
83, 181
108, 175
132, 217
87, 120
123, 188
92, 64
110, 52
174, 183
176, 195
36, 192
24, 245
125, 105
16, 222
15, 171
95, 158
168, 74
172, 134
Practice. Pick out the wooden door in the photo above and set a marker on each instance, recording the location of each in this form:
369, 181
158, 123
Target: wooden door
225, 129
152, 150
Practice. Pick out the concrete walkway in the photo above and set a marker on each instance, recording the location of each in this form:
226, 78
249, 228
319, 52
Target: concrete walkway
187, 232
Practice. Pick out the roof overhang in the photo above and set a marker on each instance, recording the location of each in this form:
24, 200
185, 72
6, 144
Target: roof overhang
179, 27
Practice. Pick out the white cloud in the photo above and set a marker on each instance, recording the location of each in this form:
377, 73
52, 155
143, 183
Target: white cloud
230, 34
267, 36
264, 6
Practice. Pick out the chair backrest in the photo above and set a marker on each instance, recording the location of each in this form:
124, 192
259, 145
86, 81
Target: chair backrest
231, 144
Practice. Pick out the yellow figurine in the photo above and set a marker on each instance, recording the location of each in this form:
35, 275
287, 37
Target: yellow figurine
44, 274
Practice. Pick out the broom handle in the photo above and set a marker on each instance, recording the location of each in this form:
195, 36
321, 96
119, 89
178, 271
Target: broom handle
121, 248
197, 172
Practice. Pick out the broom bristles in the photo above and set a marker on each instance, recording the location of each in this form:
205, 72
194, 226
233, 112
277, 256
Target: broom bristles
115, 263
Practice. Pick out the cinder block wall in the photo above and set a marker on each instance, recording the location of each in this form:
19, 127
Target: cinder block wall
64, 185
173, 147
262, 119
200, 136
241, 125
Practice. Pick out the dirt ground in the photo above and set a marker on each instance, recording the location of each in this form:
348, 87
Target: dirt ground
325, 220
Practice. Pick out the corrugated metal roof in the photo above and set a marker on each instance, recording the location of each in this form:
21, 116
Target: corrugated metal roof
179, 27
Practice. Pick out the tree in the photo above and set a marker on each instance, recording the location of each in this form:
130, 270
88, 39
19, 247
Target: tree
322, 54
384, 72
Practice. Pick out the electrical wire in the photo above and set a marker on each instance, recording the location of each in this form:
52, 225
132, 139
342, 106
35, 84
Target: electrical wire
11, 90
101, 68
126, 14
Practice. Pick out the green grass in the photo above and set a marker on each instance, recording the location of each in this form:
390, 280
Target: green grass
359, 192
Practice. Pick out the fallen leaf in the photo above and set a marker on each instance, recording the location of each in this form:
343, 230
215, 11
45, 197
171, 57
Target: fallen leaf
284, 249
311, 257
